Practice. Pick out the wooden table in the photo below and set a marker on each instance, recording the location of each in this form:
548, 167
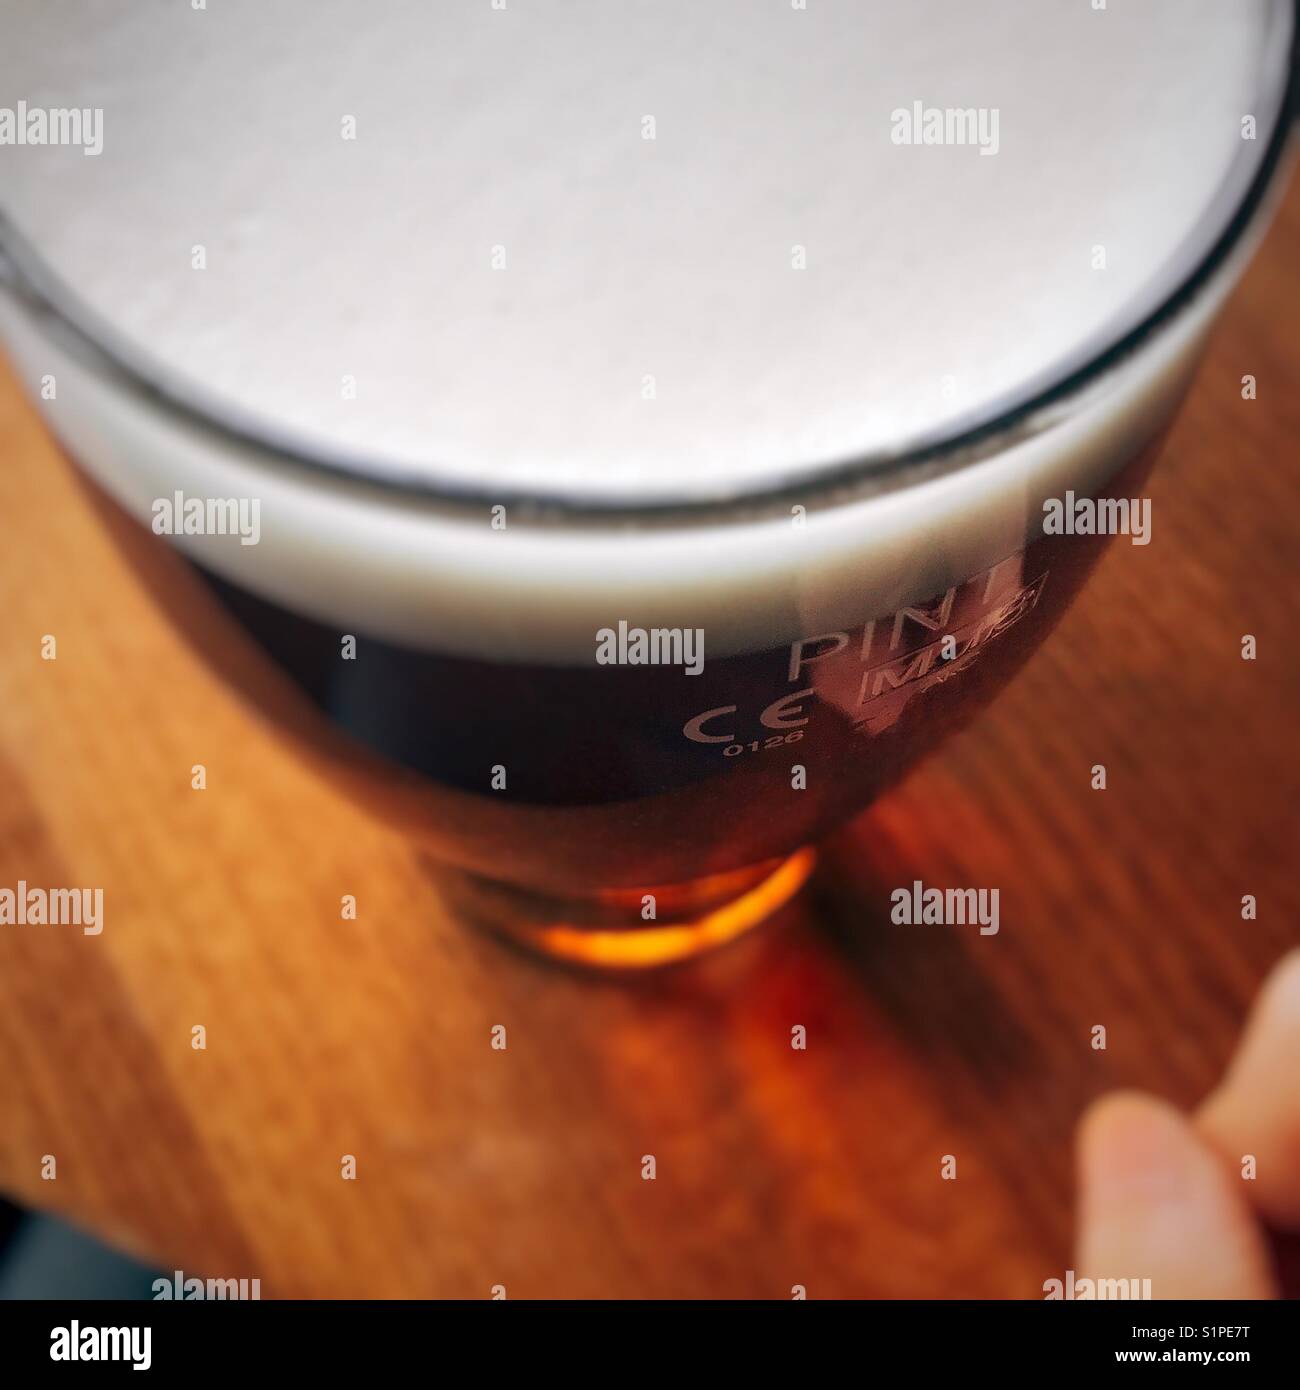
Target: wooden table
522, 1168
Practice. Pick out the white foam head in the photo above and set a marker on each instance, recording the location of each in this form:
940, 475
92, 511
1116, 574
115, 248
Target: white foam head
529, 294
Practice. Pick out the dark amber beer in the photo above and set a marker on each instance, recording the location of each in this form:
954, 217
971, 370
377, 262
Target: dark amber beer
621, 440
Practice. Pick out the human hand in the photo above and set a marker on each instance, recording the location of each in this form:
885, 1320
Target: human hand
1167, 1197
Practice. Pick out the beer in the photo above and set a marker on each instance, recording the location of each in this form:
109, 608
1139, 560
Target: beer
634, 433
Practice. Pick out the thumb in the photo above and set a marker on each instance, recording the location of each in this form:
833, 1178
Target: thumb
1256, 1110
1155, 1203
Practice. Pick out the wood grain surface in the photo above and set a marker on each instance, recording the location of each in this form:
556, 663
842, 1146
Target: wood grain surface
522, 1167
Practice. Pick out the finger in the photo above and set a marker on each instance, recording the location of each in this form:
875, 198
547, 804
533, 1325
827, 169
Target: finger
1255, 1112
1155, 1203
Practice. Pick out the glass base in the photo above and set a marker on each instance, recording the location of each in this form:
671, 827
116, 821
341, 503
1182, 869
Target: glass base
611, 929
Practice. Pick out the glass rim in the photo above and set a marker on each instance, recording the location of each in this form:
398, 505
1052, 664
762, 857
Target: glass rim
58, 310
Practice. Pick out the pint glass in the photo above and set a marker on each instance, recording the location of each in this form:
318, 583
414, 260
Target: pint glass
627, 434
